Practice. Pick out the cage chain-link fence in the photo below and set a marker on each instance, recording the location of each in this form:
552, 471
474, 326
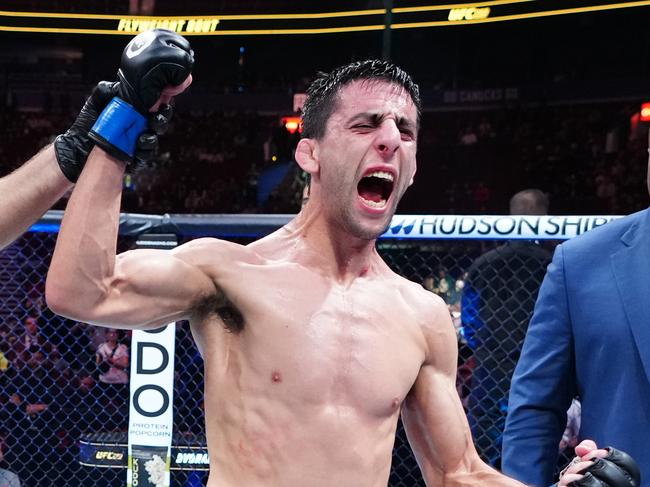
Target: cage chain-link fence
65, 403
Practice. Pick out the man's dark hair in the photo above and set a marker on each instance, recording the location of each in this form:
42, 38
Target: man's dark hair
323, 92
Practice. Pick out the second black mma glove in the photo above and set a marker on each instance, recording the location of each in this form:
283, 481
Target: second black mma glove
152, 61
72, 147
617, 469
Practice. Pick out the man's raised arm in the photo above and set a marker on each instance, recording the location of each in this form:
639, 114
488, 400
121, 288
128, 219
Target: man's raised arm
140, 288
28, 192
87, 281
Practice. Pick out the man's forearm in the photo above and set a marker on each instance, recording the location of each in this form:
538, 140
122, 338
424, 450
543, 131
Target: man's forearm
84, 256
485, 476
28, 192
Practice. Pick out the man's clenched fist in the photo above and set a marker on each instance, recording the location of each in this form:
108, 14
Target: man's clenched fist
153, 63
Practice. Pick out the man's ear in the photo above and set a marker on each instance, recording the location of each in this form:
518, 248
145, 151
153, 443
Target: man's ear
307, 156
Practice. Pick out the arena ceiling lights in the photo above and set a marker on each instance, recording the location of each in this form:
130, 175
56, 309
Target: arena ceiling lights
306, 23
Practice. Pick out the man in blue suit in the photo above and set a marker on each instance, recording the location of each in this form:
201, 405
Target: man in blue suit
589, 337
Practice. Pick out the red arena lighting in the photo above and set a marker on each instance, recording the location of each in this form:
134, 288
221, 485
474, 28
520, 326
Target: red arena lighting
292, 124
645, 112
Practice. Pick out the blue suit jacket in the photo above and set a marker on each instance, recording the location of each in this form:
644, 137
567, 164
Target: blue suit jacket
589, 336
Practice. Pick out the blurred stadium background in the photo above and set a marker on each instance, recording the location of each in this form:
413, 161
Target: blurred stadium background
528, 101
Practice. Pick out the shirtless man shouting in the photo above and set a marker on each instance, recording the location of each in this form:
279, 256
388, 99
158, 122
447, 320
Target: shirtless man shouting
312, 346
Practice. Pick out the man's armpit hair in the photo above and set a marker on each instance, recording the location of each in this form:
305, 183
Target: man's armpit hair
219, 304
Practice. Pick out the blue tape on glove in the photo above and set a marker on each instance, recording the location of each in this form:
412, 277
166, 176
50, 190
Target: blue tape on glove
120, 125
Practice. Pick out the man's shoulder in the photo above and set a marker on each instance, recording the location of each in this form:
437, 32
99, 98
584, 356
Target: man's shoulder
416, 296
607, 234
209, 244
404, 284
207, 250
431, 319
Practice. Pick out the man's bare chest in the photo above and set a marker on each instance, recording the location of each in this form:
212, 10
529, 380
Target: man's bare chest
323, 343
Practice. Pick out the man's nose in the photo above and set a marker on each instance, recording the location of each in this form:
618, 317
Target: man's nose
388, 139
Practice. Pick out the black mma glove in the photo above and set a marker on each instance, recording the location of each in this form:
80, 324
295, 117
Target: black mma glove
72, 147
617, 469
152, 61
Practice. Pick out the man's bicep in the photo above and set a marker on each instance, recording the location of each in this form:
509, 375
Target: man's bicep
437, 429
150, 288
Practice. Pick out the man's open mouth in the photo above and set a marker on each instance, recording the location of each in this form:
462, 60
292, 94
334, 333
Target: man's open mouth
375, 188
